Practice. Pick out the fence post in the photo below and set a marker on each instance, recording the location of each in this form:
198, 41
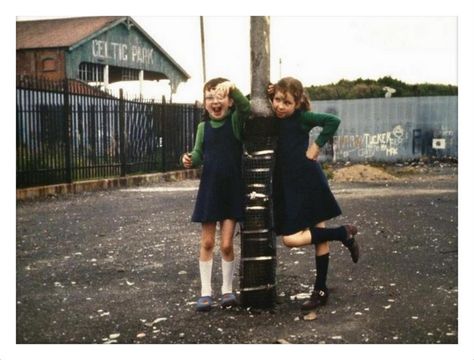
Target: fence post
163, 134
156, 132
67, 132
123, 136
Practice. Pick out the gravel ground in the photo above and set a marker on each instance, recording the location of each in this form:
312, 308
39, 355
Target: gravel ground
120, 266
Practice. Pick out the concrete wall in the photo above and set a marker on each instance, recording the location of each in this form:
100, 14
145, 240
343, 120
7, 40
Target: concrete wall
46, 191
393, 129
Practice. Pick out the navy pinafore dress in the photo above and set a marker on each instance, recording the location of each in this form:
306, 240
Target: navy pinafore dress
302, 197
221, 190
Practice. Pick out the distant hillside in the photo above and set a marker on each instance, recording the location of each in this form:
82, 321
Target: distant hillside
366, 88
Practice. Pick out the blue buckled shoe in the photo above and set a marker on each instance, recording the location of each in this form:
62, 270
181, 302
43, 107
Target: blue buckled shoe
228, 300
204, 303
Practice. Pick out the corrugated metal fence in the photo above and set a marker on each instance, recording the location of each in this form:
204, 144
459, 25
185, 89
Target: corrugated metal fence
393, 129
67, 131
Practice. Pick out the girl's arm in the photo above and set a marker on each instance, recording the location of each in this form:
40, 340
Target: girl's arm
328, 122
242, 108
196, 154
241, 103
242, 111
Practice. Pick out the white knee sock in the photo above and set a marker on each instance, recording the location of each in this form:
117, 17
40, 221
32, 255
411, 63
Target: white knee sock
227, 276
205, 269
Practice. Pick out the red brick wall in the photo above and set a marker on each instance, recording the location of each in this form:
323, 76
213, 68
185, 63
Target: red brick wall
45, 63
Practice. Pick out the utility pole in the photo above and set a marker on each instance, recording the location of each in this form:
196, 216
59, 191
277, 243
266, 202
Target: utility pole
203, 49
258, 239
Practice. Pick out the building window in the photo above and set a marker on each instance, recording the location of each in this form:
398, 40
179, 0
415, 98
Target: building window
130, 74
49, 64
122, 74
91, 72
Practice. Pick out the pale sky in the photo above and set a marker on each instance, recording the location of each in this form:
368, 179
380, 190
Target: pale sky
316, 50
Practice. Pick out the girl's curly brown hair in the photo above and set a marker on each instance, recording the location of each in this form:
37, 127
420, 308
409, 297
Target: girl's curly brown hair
290, 85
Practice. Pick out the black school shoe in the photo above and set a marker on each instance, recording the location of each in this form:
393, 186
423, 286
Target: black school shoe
351, 242
354, 250
318, 298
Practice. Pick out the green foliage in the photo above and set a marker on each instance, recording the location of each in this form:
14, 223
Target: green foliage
367, 88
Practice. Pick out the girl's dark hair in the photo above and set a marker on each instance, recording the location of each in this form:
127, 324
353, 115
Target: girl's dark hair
295, 88
208, 86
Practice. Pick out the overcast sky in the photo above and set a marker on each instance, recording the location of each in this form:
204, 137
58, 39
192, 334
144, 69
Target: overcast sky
317, 50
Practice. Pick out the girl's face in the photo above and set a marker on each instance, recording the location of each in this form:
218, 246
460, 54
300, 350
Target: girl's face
284, 105
216, 104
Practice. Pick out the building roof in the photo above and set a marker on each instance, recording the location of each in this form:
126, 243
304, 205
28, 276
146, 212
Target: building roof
72, 32
55, 33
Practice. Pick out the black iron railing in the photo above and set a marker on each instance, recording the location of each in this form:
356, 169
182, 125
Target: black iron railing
68, 131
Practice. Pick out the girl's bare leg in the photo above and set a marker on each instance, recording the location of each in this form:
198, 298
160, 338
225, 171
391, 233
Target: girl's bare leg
322, 248
227, 239
301, 238
207, 241
320, 234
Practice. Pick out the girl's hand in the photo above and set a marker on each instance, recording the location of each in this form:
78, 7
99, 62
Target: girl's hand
187, 160
271, 89
224, 88
313, 152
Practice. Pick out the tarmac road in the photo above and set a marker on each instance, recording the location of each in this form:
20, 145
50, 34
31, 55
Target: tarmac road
120, 266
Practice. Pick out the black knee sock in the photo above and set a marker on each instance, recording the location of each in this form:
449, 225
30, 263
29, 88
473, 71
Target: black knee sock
320, 235
322, 265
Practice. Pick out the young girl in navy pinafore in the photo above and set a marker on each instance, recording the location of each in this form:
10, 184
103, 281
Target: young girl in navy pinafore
221, 191
302, 197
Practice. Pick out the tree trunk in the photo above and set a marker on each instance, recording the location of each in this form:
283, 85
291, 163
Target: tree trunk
260, 65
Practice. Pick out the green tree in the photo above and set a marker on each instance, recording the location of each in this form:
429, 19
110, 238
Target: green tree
368, 88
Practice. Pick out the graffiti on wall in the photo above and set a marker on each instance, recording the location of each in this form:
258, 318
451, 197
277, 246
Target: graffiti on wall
393, 129
368, 145
445, 132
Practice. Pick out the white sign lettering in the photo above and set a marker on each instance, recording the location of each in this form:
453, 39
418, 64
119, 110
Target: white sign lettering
122, 52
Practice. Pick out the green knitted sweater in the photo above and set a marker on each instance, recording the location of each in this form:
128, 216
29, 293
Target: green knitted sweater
308, 120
